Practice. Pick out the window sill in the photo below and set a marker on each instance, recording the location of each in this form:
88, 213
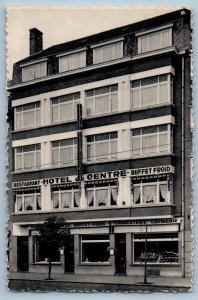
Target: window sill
152, 106
47, 263
95, 264
152, 204
155, 264
43, 169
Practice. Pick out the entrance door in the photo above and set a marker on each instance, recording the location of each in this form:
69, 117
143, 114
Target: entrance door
120, 254
22, 253
69, 255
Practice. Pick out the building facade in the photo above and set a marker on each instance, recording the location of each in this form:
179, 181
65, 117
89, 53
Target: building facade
100, 132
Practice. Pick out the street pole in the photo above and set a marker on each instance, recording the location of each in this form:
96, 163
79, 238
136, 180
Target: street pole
145, 258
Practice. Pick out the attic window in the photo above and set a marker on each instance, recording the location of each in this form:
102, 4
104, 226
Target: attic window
108, 52
72, 61
34, 71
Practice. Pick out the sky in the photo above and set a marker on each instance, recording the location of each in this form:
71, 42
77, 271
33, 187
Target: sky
65, 24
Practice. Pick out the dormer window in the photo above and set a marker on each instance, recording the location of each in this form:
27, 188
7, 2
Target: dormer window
72, 61
107, 52
34, 70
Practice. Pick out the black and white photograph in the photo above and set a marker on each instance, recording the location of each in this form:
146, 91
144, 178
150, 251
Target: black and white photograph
100, 159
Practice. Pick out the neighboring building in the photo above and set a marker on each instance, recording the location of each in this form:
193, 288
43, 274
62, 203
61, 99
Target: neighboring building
119, 176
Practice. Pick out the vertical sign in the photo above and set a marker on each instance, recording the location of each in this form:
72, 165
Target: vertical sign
79, 143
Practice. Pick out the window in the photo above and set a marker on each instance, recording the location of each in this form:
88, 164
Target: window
151, 140
34, 71
102, 100
149, 192
64, 151
43, 250
27, 116
151, 91
102, 196
72, 61
95, 248
64, 108
28, 201
27, 157
62, 198
102, 146
155, 40
107, 52
162, 248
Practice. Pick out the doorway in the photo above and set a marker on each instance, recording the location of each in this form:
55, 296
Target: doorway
69, 255
120, 253
22, 254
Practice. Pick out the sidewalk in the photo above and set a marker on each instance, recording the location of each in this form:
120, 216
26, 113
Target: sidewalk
163, 282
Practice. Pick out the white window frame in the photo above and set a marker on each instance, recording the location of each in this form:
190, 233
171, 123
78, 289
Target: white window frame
29, 71
149, 34
65, 67
20, 114
59, 105
92, 241
156, 183
74, 152
59, 193
95, 189
140, 89
35, 152
157, 134
23, 195
109, 155
103, 46
95, 97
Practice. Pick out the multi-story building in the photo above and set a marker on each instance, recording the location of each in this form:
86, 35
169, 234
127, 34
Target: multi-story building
120, 173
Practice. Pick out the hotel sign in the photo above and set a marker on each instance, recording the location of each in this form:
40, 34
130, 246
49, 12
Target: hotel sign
97, 176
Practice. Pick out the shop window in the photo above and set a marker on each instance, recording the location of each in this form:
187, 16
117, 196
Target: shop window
108, 52
62, 198
155, 40
95, 248
102, 196
43, 250
27, 116
64, 108
149, 192
102, 146
161, 248
152, 140
72, 61
28, 201
151, 91
28, 157
102, 100
64, 152
34, 71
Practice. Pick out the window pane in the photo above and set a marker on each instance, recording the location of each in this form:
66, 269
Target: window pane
90, 152
107, 53
136, 146
55, 156
149, 144
18, 161
29, 202
118, 50
166, 42
163, 190
55, 200
114, 102
29, 160
102, 197
102, 150
66, 155
55, 116
163, 142
102, 104
163, 93
18, 121
90, 107
136, 98
148, 130
66, 200
149, 95
155, 41
114, 149
149, 193
98, 55
144, 44
95, 252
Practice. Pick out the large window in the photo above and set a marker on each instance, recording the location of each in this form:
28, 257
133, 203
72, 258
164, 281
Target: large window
102, 100
28, 157
34, 71
151, 140
63, 108
102, 146
102, 196
72, 61
64, 151
27, 116
151, 91
62, 198
42, 251
108, 52
28, 201
95, 248
155, 40
150, 192
161, 248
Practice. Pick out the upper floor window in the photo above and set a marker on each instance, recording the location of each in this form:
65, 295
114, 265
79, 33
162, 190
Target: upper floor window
72, 61
151, 91
151, 140
28, 201
63, 108
102, 196
27, 116
28, 157
155, 40
102, 146
64, 151
107, 52
34, 71
102, 100
63, 198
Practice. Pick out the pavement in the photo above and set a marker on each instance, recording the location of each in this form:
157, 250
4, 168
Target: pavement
64, 282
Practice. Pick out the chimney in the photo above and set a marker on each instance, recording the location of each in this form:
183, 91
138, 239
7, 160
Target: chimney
36, 41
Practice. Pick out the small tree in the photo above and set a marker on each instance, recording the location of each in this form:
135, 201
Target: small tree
52, 233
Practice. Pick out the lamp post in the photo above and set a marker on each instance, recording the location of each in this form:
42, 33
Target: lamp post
145, 258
